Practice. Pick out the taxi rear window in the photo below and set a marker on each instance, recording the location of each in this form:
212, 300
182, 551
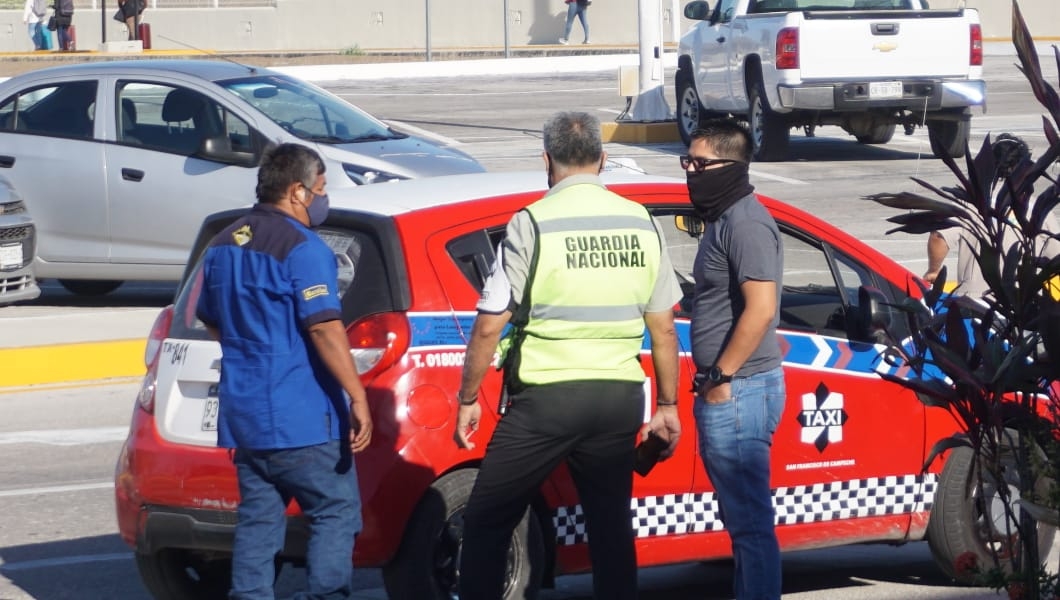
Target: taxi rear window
362, 282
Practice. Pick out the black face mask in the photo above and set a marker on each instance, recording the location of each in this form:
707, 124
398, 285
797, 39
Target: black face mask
712, 191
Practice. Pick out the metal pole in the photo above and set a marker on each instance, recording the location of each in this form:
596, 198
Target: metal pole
507, 39
428, 11
103, 21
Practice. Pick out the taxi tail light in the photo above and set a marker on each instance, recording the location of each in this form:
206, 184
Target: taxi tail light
788, 48
146, 397
975, 55
377, 342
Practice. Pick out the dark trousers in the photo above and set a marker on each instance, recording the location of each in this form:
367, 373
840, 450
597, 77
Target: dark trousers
591, 424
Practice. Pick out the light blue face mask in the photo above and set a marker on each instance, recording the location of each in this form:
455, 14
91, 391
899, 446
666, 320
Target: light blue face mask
318, 208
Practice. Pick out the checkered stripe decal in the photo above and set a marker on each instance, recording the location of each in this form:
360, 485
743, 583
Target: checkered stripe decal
698, 513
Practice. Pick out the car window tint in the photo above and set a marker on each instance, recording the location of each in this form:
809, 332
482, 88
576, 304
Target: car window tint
61, 110
175, 119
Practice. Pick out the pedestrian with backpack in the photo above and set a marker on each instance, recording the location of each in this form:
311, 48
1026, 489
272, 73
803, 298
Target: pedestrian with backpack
33, 16
63, 20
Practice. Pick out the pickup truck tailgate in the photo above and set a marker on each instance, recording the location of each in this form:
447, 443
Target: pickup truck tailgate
892, 44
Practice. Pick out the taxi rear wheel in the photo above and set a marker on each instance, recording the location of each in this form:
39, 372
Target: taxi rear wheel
174, 574
426, 565
968, 516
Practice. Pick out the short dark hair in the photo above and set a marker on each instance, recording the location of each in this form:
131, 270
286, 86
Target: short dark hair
573, 139
283, 165
726, 137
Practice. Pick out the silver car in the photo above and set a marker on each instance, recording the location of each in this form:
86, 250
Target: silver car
17, 243
120, 161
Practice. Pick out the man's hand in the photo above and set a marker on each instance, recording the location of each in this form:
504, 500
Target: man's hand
467, 420
666, 425
715, 394
360, 426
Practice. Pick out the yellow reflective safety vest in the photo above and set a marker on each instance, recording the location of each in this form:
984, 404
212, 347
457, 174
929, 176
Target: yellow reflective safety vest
597, 260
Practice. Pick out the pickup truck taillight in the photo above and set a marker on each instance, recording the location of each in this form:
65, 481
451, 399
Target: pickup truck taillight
975, 54
788, 48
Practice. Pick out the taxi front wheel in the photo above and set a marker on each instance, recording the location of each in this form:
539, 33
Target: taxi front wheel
969, 516
426, 564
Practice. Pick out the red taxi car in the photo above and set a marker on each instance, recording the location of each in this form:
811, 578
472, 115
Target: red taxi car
848, 455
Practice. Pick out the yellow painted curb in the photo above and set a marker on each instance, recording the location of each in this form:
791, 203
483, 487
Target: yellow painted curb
640, 133
35, 365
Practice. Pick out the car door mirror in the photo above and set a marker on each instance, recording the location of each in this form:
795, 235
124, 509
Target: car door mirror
218, 148
874, 316
697, 10
690, 224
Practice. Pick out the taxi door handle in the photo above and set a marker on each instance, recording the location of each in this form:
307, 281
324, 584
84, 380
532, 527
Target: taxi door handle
7, 162
132, 174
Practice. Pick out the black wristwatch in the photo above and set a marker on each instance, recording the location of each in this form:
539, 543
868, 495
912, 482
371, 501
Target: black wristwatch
716, 377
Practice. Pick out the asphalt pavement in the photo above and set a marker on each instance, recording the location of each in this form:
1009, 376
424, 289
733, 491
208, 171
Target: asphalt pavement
37, 346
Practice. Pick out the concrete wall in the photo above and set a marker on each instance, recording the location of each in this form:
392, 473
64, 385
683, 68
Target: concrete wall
402, 24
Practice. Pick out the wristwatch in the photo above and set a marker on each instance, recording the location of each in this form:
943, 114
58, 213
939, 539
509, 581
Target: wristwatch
716, 377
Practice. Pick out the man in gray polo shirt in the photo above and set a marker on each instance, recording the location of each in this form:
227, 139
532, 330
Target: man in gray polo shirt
739, 382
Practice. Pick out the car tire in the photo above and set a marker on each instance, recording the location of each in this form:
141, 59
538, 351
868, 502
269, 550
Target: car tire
90, 287
426, 563
880, 134
769, 132
689, 110
174, 574
961, 518
949, 138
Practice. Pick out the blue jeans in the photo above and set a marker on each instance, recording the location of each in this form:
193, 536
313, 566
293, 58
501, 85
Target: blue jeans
575, 9
734, 441
323, 480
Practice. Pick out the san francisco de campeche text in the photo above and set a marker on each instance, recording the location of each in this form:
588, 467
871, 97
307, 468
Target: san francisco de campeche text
604, 251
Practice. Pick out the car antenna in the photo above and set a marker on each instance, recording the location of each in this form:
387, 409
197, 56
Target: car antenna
253, 70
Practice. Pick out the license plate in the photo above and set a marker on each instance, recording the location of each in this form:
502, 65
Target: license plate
885, 89
210, 410
11, 256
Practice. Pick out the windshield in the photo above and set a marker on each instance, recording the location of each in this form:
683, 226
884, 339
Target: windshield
309, 112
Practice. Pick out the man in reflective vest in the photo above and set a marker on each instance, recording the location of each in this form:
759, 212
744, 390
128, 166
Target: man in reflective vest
580, 274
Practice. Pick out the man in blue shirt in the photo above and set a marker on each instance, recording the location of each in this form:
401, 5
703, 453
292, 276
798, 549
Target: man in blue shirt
270, 297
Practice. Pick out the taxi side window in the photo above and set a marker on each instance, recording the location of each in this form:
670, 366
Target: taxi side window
820, 289
63, 110
474, 254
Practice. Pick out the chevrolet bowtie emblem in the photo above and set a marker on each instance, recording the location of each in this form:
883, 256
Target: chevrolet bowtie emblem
884, 46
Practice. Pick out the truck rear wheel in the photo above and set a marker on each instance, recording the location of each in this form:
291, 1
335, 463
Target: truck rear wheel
426, 564
769, 132
949, 138
689, 110
967, 516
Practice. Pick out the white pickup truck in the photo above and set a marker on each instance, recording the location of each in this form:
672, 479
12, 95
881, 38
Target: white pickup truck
864, 65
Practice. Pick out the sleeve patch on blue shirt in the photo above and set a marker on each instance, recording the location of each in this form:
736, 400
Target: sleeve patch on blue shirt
314, 292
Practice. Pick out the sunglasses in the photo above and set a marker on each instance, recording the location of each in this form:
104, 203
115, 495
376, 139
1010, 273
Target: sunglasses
701, 164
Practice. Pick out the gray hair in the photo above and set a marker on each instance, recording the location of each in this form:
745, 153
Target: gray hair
286, 164
572, 139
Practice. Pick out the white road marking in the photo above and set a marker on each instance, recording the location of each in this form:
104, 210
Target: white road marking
46, 563
57, 489
66, 437
779, 178
476, 94
424, 133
